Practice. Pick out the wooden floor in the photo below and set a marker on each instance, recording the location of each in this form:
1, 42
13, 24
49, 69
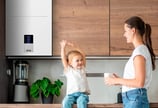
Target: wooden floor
152, 105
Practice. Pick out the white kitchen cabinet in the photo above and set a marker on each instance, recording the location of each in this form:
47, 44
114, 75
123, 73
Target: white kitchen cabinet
28, 27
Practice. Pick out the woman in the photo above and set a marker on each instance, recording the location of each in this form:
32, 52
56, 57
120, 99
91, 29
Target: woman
138, 70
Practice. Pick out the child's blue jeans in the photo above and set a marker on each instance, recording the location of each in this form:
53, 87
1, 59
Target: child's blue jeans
78, 98
136, 98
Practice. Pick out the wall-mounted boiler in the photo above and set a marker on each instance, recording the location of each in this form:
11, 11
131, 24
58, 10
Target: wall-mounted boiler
28, 27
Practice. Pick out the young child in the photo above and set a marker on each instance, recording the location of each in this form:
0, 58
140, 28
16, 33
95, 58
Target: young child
74, 70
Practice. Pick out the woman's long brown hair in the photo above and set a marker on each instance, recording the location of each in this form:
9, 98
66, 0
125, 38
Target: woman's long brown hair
144, 30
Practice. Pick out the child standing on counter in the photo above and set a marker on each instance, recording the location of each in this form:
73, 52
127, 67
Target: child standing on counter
74, 70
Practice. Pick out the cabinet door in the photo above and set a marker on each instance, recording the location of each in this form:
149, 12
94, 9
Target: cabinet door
120, 10
85, 22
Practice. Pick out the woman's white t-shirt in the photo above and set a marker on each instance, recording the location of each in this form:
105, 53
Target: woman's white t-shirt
76, 80
129, 71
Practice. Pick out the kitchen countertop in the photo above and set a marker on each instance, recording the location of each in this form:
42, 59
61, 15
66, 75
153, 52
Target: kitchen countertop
152, 105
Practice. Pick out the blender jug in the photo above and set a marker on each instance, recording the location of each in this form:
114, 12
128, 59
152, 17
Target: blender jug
21, 88
21, 75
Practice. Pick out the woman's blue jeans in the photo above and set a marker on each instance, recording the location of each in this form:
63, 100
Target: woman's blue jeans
78, 98
136, 98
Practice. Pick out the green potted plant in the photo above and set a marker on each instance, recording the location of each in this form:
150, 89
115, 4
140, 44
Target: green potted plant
46, 88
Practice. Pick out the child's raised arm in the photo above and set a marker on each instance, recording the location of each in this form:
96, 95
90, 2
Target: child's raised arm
63, 55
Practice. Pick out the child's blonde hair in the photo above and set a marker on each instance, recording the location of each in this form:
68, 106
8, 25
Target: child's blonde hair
73, 53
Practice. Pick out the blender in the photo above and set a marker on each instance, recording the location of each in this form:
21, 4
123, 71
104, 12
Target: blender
21, 88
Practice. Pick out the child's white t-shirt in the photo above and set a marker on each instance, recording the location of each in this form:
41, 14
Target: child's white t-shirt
76, 80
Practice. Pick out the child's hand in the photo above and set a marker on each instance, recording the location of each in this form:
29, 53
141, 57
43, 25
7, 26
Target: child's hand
63, 43
70, 44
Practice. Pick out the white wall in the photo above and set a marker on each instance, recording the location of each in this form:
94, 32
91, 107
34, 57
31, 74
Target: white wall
100, 93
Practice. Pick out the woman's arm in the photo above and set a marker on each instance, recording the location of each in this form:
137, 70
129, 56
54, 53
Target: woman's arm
138, 81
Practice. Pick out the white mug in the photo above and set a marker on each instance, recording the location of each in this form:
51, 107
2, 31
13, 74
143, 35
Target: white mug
107, 75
